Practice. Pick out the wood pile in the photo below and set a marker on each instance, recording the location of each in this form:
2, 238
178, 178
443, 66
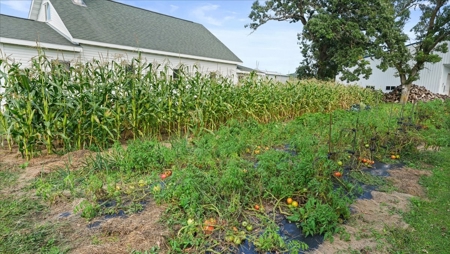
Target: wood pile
417, 93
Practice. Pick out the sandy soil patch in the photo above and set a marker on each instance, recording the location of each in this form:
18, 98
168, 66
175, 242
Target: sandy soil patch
371, 216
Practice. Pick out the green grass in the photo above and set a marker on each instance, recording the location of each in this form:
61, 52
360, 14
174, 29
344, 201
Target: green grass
19, 228
8, 176
429, 219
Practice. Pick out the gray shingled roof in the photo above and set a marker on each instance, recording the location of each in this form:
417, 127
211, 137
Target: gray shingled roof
30, 30
116, 23
248, 69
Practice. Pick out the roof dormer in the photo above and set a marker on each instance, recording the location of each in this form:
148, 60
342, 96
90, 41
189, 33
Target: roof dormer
44, 11
79, 2
34, 9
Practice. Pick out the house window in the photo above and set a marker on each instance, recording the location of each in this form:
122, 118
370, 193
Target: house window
48, 13
129, 68
371, 87
62, 64
176, 73
389, 88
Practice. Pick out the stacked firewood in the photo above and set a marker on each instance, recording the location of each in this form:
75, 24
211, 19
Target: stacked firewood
417, 93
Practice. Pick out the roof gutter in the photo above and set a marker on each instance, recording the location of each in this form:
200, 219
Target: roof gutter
40, 45
151, 51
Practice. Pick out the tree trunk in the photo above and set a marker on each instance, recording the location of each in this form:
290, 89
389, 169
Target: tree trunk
405, 93
405, 89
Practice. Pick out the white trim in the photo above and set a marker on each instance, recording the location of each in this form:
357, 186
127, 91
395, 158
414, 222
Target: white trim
151, 51
68, 37
40, 44
31, 8
33, 3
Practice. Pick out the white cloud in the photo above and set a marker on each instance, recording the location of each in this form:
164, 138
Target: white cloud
21, 6
202, 14
173, 8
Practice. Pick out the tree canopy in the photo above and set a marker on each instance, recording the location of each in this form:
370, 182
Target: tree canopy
337, 34
432, 32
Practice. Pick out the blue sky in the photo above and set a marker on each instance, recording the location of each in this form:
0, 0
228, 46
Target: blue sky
272, 47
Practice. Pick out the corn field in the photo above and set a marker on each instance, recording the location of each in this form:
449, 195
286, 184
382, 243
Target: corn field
49, 107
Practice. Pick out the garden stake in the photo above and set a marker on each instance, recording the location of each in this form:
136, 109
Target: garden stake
330, 153
411, 118
355, 132
387, 147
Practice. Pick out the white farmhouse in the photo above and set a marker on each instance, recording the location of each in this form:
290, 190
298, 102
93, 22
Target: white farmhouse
83, 30
243, 72
434, 77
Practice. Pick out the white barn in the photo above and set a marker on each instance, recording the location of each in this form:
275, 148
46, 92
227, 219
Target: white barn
435, 77
243, 72
83, 30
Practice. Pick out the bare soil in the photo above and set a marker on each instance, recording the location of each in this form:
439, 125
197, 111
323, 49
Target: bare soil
371, 216
141, 231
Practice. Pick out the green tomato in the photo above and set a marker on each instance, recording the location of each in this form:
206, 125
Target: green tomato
229, 238
157, 188
249, 227
237, 241
244, 224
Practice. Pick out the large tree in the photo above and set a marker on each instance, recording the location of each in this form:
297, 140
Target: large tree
335, 35
431, 32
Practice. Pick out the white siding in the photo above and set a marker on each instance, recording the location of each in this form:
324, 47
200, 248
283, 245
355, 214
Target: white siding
24, 54
279, 78
94, 52
433, 76
446, 79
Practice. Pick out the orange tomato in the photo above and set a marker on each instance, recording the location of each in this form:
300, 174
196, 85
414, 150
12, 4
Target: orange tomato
289, 201
256, 207
208, 229
337, 174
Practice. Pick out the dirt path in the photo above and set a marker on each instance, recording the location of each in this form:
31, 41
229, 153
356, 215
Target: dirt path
369, 217
122, 234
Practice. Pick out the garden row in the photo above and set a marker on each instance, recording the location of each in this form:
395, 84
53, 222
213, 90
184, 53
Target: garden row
231, 186
49, 107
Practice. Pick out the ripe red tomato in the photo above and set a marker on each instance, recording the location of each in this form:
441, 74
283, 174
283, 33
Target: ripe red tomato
256, 207
337, 174
208, 229
163, 176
